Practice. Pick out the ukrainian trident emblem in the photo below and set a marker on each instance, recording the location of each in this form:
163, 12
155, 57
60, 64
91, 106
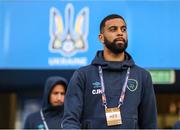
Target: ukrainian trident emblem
69, 39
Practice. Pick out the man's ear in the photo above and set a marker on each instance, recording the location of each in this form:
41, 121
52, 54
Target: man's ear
101, 38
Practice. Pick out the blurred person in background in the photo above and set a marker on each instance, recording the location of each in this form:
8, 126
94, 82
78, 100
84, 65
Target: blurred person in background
112, 92
50, 115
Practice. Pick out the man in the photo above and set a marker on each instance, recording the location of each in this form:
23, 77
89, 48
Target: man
112, 92
51, 113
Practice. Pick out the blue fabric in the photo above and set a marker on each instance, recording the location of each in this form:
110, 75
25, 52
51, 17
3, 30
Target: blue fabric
83, 103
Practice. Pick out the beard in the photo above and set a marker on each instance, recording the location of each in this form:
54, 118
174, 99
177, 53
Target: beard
114, 47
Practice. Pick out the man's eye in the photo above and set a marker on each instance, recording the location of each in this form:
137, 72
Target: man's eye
123, 29
62, 93
113, 29
55, 93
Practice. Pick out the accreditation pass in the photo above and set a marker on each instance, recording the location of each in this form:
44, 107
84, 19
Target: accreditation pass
113, 116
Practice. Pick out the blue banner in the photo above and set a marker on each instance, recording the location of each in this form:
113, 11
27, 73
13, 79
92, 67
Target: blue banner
62, 34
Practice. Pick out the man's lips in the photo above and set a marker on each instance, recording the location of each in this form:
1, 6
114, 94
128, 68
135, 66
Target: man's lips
119, 39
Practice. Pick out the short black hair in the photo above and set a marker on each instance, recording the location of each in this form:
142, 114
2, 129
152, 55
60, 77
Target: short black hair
111, 16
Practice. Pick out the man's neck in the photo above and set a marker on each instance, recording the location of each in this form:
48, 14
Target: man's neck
109, 56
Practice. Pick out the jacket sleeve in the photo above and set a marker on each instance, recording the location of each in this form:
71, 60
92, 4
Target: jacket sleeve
73, 104
147, 113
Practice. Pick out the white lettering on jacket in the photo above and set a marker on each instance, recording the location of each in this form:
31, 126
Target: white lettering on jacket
96, 91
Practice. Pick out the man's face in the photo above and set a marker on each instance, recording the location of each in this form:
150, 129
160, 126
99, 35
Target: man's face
57, 95
114, 35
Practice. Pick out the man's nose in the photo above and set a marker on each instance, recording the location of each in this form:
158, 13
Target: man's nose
59, 96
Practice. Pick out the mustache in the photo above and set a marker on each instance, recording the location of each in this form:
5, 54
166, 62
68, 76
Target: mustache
119, 39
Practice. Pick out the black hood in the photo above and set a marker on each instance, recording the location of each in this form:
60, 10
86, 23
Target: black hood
112, 65
50, 83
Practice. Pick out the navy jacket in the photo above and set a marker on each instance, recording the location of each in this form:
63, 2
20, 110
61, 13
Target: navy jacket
83, 103
53, 115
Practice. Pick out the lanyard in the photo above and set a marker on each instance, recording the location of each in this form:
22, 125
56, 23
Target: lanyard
43, 119
121, 98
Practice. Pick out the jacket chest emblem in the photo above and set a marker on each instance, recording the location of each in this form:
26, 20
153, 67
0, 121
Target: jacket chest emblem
132, 85
96, 88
